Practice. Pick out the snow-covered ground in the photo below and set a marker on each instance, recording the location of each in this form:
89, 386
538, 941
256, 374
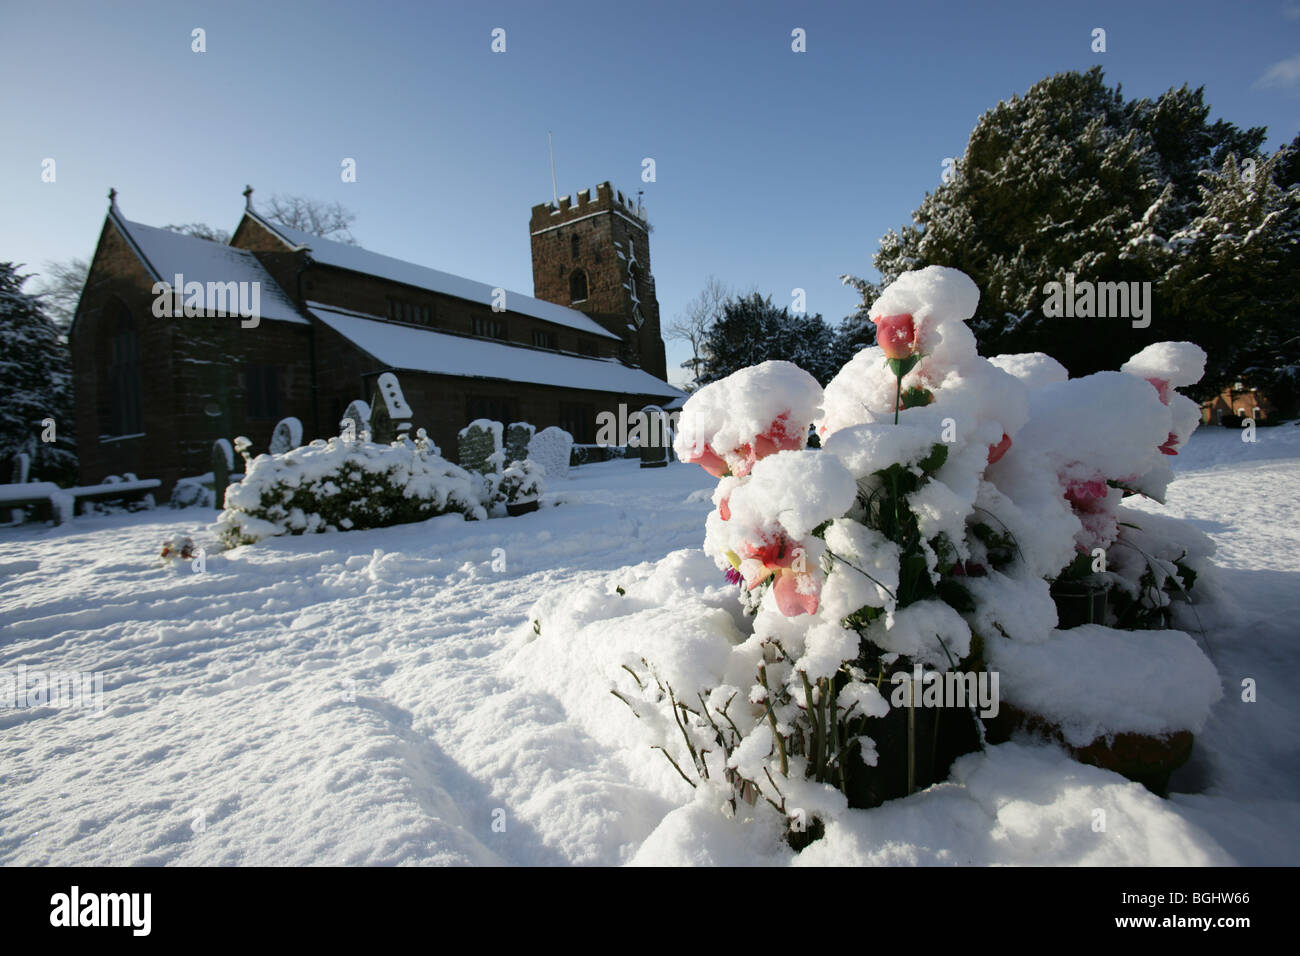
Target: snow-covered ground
375, 697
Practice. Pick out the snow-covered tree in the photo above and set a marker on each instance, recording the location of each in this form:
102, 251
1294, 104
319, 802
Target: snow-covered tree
35, 384
1069, 178
752, 330
1232, 273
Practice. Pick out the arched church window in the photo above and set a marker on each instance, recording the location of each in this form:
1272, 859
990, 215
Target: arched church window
123, 410
577, 286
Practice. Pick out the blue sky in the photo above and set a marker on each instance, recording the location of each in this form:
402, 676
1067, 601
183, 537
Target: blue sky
774, 169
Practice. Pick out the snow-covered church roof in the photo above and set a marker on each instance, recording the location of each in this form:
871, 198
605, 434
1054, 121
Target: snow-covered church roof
424, 350
356, 259
167, 254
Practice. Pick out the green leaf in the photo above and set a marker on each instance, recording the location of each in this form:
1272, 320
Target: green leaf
916, 397
934, 461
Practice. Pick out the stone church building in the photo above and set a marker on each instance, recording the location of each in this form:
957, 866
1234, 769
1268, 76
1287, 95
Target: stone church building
156, 384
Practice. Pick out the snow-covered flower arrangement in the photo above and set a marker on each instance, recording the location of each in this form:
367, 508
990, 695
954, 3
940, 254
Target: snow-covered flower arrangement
521, 481
519, 485
178, 546
342, 485
950, 490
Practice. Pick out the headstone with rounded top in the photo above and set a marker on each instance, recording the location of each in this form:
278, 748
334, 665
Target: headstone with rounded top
287, 436
654, 448
518, 435
550, 448
479, 446
390, 417
355, 422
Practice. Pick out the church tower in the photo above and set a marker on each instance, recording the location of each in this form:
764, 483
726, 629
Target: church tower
593, 254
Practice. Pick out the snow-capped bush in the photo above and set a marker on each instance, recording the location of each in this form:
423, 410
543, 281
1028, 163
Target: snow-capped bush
925, 534
339, 485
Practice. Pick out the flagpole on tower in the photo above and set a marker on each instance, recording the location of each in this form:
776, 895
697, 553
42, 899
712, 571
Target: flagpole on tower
555, 189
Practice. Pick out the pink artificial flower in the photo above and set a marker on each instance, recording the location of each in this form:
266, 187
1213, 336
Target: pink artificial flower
710, 462
790, 600
997, 451
1161, 385
796, 591
1085, 496
1170, 447
896, 335
724, 509
779, 436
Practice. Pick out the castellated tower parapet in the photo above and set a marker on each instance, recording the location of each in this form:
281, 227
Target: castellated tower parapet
592, 253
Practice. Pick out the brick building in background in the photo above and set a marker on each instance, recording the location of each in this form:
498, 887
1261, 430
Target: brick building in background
153, 393
1234, 403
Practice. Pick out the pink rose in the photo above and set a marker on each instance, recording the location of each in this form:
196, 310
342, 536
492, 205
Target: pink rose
1085, 495
778, 436
896, 335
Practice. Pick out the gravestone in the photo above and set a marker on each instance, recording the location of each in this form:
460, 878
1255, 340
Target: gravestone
223, 463
356, 419
287, 436
479, 446
390, 418
655, 449
22, 468
518, 435
550, 448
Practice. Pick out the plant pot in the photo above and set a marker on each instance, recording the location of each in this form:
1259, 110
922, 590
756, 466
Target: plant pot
1078, 603
941, 734
516, 508
1142, 758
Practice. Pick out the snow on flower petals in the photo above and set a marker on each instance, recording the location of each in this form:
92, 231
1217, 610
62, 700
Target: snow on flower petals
730, 425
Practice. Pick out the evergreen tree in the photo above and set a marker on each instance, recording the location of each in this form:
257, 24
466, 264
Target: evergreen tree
35, 384
1287, 171
752, 330
1232, 275
1073, 178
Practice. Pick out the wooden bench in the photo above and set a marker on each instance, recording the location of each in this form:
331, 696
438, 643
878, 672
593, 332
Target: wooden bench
52, 502
58, 504
131, 490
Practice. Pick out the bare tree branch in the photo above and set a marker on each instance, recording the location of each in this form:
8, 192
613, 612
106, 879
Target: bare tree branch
60, 289
692, 326
201, 230
327, 220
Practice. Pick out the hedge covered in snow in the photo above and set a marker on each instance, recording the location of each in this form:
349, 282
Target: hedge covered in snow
344, 485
